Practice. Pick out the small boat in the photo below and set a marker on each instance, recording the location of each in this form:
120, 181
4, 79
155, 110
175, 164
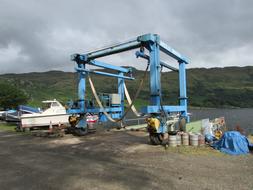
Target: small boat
13, 115
52, 113
10, 116
2, 115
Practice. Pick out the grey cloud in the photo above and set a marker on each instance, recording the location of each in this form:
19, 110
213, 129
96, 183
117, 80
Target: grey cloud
43, 34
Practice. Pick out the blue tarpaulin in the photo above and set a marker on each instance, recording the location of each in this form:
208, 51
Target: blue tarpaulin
232, 142
28, 109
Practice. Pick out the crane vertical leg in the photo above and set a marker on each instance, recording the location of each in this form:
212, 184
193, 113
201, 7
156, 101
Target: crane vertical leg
155, 76
156, 137
182, 89
81, 126
121, 92
81, 88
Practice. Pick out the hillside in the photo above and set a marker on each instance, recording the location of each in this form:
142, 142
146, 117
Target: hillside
215, 87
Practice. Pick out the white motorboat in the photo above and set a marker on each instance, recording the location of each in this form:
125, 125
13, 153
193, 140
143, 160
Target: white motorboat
52, 113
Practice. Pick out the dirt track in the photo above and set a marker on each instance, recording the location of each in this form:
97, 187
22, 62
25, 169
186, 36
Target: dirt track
114, 160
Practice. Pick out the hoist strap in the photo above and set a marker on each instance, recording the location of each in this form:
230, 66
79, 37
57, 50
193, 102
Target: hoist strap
98, 100
130, 101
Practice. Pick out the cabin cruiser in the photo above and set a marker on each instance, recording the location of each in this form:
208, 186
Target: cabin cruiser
52, 113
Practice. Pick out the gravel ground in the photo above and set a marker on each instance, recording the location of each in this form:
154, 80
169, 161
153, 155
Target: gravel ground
115, 160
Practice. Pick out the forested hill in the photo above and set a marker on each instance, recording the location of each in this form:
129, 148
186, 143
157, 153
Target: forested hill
215, 87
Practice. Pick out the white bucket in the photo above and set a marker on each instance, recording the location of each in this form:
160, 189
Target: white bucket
201, 140
179, 140
173, 140
185, 139
194, 140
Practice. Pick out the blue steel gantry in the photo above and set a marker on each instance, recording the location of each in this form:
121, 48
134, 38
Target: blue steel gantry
154, 45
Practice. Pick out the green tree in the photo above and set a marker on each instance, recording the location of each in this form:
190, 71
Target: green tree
11, 96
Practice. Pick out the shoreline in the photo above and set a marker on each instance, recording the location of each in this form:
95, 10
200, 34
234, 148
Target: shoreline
211, 108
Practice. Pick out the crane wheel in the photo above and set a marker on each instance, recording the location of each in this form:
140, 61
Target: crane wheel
80, 131
156, 138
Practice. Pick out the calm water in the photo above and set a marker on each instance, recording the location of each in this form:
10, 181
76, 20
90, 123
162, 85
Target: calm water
242, 117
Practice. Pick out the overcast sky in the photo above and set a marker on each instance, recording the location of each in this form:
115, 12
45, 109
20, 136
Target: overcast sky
41, 35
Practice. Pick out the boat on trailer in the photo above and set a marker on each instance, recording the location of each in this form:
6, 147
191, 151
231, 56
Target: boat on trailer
52, 113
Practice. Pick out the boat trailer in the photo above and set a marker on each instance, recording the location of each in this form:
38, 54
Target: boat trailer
111, 106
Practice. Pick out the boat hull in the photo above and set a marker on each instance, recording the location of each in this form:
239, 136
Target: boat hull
41, 120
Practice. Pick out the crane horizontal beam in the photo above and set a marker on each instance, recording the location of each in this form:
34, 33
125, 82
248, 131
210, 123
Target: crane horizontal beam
144, 56
172, 52
109, 66
126, 46
104, 73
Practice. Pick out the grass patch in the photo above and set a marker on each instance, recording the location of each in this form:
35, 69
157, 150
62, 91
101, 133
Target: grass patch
7, 127
191, 150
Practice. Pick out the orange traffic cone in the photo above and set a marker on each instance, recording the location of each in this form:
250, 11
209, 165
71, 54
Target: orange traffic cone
50, 127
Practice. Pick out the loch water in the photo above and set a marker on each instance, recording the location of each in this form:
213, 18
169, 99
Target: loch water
233, 117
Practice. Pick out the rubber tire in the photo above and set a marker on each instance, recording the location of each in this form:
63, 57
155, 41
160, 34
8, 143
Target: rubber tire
156, 138
80, 131
182, 124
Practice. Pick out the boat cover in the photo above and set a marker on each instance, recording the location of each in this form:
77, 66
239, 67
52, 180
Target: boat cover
28, 109
233, 143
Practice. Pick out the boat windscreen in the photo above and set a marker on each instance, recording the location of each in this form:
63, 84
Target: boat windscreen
45, 106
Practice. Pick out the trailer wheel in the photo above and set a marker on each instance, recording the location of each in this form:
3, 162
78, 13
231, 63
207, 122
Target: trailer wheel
156, 138
26, 129
18, 128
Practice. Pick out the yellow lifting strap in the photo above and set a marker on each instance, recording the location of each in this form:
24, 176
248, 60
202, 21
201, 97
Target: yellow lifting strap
130, 101
98, 100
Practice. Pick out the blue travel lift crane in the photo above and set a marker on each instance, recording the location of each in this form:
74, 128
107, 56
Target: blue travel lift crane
158, 115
